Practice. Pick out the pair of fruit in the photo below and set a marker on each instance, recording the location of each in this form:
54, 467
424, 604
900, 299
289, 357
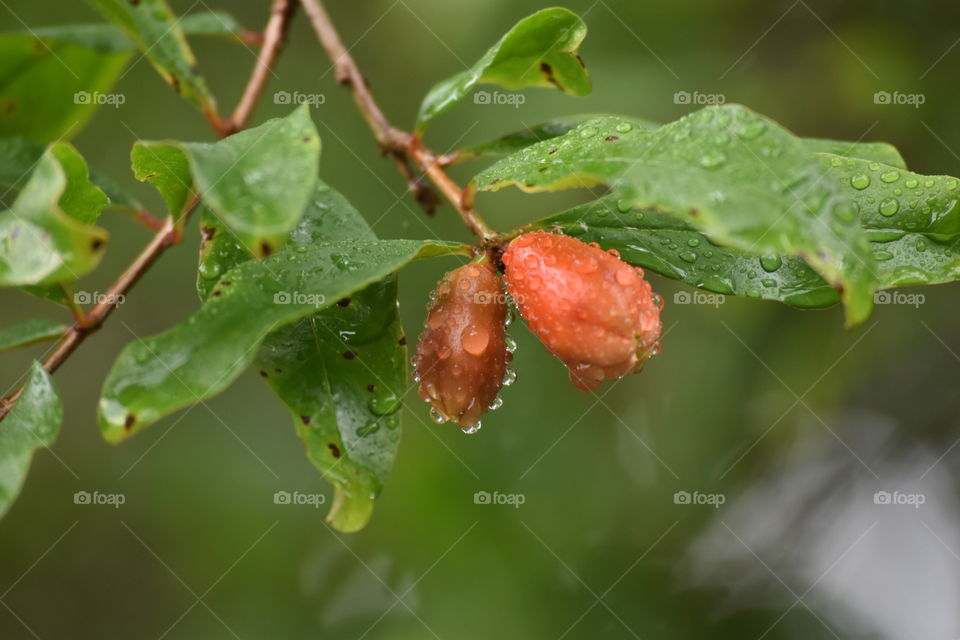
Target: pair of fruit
592, 310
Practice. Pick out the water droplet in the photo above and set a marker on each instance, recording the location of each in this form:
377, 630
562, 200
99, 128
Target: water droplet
890, 176
509, 377
624, 127
950, 185
693, 242
712, 159
880, 256
889, 206
623, 206
860, 181
436, 416
588, 132
770, 263
475, 341
688, 256
470, 429
510, 344
752, 130
657, 300
496, 404
911, 183
385, 405
921, 245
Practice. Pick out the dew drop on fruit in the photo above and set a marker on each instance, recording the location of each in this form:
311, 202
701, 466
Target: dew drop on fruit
471, 429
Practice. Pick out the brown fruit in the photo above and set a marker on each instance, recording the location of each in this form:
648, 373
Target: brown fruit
461, 358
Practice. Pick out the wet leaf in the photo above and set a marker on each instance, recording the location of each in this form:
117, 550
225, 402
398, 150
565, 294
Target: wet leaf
32, 424
157, 33
29, 332
738, 177
539, 51
45, 237
914, 241
204, 354
517, 140
346, 410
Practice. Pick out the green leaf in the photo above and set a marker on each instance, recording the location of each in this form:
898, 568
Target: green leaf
49, 87
342, 374
19, 156
204, 354
256, 182
32, 424
259, 181
344, 410
157, 33
539, 51
912, 220
44, 236
914, 241
512, 142
738, 177
517, 140
166, 167
881, 152
29, 332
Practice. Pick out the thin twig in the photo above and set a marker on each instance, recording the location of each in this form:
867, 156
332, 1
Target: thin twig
394, 142
274, 36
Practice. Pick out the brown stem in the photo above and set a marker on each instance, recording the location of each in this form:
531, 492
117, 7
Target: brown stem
169, 232
393, 141
274, 36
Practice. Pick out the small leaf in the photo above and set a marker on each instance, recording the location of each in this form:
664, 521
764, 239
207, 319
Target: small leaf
156, 31
259, 181
43, 236
166, 167
738, 177
29, 332
539, 51
204, 354
32, 424
48, 86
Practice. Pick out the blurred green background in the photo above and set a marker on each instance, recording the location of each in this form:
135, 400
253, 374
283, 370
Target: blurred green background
794, 421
